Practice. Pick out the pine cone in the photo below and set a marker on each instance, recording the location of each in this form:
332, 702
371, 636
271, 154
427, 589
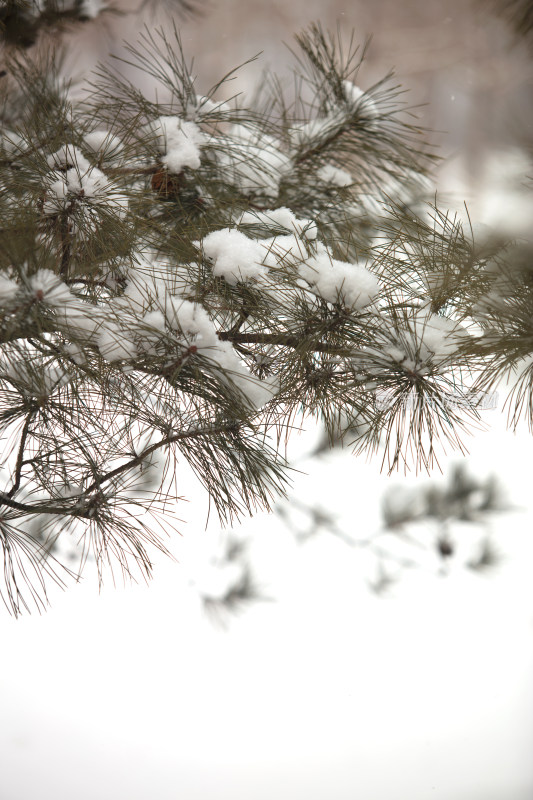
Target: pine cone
165, 185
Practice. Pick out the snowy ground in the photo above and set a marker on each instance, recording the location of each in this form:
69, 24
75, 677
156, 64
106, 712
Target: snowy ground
330, 691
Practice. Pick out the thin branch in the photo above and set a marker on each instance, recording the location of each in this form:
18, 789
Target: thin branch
5, 500
20, 454
276, 338
65, 247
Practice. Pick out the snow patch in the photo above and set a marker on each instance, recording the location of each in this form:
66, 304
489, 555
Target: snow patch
339, 281
236, 257
180, 142
334, 175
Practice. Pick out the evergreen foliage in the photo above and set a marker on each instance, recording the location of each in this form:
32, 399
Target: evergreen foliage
183, 275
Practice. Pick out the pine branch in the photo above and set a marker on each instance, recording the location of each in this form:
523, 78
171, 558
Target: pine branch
294, 342
194, 275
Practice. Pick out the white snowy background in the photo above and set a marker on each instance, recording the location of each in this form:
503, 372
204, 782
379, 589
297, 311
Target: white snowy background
327, 690
323, 690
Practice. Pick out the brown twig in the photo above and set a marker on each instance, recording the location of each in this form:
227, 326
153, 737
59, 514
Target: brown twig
65, 246
286, 340
20, 454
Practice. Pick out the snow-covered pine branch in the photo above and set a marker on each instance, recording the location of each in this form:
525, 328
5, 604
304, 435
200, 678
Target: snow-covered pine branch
182, 278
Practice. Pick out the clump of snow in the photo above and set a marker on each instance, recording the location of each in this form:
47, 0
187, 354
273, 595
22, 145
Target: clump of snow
8, 290
194, 323
103, 144
180, 142
46, 287
370, 205
252, 161
114, 343
68, 157
155, 320
426, 342
285, 250
12, 144
359, 100
204, 105
236, 257
331, 174
339, 281
33, 377
316, 130
147, 311
58, 189
91, 8
75, 185
98, 326
239, 258
282, 218
198, 329
437, 336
